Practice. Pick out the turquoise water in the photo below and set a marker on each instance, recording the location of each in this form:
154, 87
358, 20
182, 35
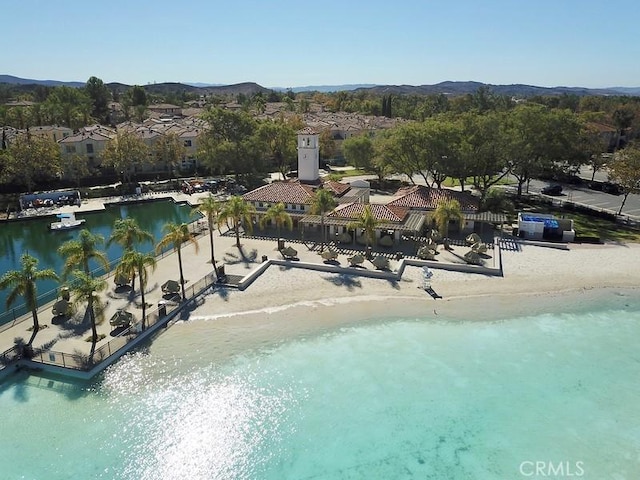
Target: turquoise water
387, 399
34, 237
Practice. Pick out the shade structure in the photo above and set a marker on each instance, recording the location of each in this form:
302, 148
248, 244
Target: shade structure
170, 286
121, 318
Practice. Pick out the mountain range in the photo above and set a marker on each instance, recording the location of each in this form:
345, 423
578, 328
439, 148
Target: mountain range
250, 88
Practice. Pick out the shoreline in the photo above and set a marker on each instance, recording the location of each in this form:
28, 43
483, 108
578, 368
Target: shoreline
284, 306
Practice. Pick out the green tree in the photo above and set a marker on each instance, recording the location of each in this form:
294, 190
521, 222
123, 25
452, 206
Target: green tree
239, 212
124, 153
625, 171
211, 209
135, 263
79, 252
483, 144
126, 233
278, 215
230, 143
175, 236
33, 158
85, 289
366, 222
99, 95
321, 204
538, 138
170, 150
76, 167
327, 144
446, 212
24, 284
358, 151
278, 138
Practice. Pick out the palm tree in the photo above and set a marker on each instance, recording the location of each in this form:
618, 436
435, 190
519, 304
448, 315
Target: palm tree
135, 263
447, 211
127, 232
176, 235
24, 284
367, 223
79, 252
238, 211
210, 208
279, 216
322, 203
84, 288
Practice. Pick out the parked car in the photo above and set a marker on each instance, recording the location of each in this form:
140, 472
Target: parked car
612, 188
552, 190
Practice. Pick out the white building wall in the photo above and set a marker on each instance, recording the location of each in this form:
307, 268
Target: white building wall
308, 158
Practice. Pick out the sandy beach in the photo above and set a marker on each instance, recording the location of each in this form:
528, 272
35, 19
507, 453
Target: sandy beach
290, 303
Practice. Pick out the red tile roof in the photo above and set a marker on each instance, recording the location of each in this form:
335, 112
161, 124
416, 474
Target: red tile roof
337, 188
307, 131
380, 212
285, 192
424, 198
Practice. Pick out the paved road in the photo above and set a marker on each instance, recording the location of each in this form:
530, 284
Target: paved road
573, 193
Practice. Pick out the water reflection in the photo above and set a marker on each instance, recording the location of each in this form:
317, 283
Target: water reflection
33, 236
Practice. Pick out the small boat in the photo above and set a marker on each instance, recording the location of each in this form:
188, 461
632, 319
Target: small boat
67, 222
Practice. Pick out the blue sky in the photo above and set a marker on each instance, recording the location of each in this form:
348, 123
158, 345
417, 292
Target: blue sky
287, 44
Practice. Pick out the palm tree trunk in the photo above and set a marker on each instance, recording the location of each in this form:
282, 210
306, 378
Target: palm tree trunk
181, 275
213, 260
144, 303
92, 316
236, 225
36, 325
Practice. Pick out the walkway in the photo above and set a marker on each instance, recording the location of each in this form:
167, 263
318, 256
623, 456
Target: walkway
69, 336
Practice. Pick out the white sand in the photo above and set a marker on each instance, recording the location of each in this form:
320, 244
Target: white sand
288, 303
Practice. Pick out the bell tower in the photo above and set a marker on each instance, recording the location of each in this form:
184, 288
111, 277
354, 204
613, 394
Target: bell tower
308, 156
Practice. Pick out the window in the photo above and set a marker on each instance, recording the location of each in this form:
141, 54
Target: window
187, 143
71, 149
89, 147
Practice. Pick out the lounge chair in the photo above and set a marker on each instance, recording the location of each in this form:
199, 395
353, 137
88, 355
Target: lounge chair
479, 247
289, 253
426, 253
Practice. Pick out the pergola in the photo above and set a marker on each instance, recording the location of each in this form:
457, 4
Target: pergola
412, 224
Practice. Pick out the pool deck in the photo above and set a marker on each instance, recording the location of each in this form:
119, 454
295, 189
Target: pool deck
242, 265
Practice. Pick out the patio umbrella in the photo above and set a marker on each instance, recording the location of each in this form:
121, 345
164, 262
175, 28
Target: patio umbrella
289, 252
473, 258
329, 255
121, 318
357, 259
380, 262
170, 286
61, 307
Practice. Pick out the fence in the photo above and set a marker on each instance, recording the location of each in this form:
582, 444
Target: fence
16, 314
87, 362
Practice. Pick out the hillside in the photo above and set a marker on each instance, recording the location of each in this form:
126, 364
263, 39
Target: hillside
250, 88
